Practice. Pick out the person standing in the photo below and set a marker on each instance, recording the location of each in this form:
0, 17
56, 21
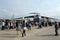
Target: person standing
40, 25
17, 29
8, 25
11, 25
28, 26
24, 32
24, 28
3, 25
56, 29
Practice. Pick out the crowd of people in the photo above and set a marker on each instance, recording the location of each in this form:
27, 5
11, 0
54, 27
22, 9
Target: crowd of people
20, 26
6, 25
23, 26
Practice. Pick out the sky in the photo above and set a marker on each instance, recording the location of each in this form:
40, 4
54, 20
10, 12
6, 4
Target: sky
18, 8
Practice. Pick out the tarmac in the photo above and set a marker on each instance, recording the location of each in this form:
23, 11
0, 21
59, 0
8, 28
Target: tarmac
45, 33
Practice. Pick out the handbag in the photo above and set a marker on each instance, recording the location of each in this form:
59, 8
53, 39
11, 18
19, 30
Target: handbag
25, 28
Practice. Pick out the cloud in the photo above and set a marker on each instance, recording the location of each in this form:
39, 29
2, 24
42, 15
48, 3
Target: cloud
4, 13
55, 12
23, 7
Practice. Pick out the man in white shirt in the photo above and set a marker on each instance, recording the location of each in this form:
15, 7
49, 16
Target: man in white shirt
3, 25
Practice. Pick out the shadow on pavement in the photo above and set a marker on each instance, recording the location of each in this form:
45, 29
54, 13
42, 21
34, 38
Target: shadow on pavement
8, 36
50, 35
